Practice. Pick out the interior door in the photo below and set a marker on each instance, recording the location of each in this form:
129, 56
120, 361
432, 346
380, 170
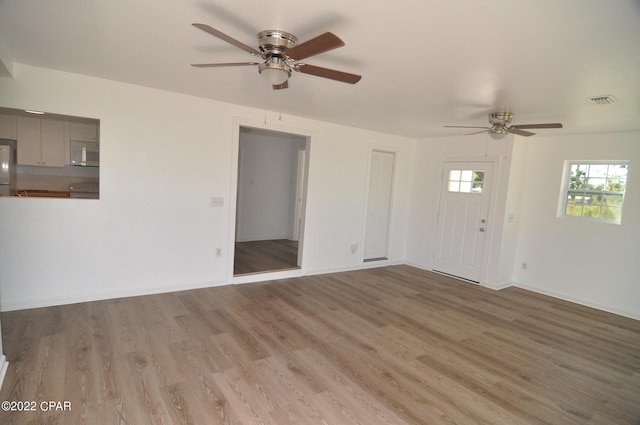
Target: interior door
379, 205
462, 219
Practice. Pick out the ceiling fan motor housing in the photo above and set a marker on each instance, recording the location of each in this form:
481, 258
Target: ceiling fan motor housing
500, 118
275, 42
499, 121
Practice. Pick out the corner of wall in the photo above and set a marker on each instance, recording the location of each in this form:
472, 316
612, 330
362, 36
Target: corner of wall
497, 286
4, 365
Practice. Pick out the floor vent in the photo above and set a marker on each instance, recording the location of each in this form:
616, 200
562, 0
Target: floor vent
602, 100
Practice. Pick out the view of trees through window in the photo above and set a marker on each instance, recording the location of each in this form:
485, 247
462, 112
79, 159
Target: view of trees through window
596, 190
466, 181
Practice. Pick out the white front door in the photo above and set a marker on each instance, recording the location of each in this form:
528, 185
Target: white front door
462, 218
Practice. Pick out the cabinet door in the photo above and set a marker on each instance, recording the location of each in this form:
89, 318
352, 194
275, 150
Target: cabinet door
52, 143
83, 131
7, 127
29, 141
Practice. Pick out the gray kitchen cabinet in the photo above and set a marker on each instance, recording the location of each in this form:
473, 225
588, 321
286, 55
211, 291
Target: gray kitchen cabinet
7, 126
85, 132
40, 142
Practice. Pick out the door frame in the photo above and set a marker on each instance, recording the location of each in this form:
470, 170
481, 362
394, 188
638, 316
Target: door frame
300, 195
491, 212
233, 199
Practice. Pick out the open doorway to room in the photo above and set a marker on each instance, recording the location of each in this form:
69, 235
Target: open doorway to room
270, 201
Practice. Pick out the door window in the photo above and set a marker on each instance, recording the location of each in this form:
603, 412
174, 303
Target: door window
466, 181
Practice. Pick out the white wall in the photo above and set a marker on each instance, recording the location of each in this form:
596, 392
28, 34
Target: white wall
163, 156
592, 263
4, 365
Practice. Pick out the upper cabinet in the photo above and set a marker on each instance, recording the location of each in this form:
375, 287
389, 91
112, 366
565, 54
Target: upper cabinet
86, 132
7, 126
41, 142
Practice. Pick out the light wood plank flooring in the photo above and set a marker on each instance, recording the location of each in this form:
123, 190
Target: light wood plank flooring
263, 256
392, 345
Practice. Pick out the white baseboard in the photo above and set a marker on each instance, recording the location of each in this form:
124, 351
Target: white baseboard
497, 286
55, 301
266, 276
577, 301
4, 365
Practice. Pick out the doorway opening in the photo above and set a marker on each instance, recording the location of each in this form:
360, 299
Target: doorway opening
270, 201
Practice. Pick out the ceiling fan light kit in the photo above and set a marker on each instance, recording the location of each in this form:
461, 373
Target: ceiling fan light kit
275, 71
281, 53
500, 126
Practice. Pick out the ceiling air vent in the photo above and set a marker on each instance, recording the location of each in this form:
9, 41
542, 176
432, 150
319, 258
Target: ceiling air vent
602, 100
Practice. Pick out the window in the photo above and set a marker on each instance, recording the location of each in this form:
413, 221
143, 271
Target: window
466, 181
595, 190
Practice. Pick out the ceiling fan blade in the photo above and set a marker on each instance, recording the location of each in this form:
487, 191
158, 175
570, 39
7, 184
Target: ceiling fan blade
281, 86
320, 44
331, 74
478, 132
520, 132
548, 125
466, 126
230, 40
214, 65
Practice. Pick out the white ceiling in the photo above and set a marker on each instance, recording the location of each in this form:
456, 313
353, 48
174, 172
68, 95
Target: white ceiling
424, 63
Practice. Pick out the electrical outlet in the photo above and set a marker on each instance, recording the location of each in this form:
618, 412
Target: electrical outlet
217, 202
218, 252
525, 266
354, 247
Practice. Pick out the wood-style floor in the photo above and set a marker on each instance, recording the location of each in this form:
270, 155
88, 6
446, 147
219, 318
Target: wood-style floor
391, 346
267, 255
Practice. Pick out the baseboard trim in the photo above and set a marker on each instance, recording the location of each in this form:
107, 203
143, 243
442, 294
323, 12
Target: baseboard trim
266, 276
577, 301
56, 301
498, 286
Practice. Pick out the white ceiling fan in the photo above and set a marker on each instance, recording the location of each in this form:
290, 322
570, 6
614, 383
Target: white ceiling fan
500, 125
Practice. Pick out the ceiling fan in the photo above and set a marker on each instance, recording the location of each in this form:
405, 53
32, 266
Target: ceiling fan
499, 125
281, 52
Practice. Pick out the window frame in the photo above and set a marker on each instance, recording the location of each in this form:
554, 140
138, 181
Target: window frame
566, 189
